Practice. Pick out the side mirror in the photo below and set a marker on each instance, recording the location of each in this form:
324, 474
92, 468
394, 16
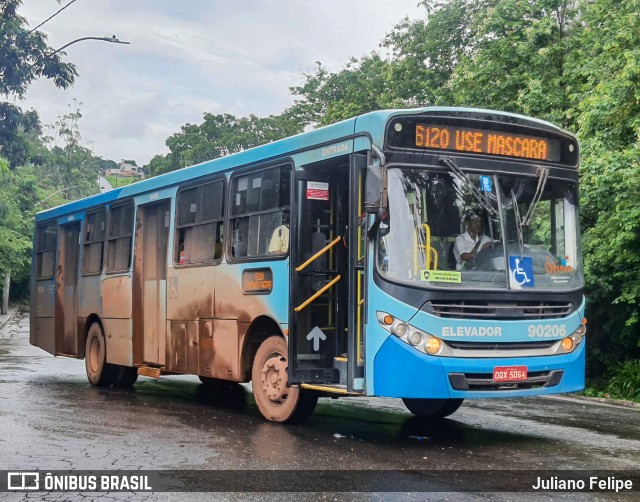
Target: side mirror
372, 189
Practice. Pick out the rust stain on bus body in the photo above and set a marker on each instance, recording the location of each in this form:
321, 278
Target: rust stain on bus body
232, 302
137, 303
190, 293
80, 323
89, 297
207, 336
117, 297
59, 305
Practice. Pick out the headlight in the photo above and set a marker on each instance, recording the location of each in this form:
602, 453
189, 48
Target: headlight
574, 339
567, 344
415, 338
399, 329
421, 340
433, 346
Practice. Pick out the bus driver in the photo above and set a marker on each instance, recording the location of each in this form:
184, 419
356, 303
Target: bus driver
471, 241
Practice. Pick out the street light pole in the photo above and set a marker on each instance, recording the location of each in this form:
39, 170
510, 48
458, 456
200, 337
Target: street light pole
113, 39
54, 193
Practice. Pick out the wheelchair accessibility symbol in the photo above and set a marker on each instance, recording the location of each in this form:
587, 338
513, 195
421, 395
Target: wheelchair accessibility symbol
521, 272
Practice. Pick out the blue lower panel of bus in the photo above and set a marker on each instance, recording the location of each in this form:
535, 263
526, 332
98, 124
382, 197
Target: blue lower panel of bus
402, 371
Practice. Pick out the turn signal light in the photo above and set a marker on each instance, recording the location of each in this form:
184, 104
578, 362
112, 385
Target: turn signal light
433, 346
388, 320
567, 344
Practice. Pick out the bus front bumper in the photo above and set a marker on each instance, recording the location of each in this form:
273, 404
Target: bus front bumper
402, 371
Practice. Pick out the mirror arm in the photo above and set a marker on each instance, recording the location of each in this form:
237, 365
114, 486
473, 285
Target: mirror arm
378, 153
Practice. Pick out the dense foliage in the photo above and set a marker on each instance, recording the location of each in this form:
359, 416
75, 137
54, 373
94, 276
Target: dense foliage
221, 135
36, 171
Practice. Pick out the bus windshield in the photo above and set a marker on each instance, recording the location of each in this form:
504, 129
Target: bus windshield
444, 231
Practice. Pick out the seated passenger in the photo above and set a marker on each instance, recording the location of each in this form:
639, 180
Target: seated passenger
279, 243
471, 241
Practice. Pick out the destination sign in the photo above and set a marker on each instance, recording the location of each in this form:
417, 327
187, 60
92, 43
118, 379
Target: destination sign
488, 142
257, 280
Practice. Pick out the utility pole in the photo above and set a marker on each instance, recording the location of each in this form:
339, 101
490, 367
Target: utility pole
4, 310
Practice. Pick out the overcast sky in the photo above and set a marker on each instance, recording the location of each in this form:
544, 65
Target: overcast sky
188, 57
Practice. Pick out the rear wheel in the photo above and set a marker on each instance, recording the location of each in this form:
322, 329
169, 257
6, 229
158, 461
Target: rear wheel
432, 408
99, 372
218, 392
277, 402
126, 376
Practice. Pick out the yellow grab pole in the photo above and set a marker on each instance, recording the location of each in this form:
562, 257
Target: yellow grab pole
317, 294
319, 253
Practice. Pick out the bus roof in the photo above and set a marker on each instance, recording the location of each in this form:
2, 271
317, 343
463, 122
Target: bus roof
374, 122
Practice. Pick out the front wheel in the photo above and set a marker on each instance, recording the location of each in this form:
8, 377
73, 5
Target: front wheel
432, 408
277, 402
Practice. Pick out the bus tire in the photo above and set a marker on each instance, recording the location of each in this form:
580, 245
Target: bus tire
277, 402
432, 408
216, 385
99, 372
126, 376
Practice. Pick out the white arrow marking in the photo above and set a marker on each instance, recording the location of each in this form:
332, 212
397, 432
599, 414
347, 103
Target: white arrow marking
316, 335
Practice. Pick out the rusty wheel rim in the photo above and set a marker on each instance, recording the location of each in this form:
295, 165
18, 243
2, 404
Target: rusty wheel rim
273, 379
94, 355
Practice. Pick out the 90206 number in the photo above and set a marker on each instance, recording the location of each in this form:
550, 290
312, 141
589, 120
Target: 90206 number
547, 331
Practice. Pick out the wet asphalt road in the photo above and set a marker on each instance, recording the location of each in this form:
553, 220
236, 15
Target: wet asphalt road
51, 418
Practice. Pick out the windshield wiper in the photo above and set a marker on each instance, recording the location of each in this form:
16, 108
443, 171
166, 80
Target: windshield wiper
516, 214
542, 173
481, 197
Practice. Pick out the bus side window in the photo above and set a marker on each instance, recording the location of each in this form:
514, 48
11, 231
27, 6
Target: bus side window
46, 244
94, 232
199, 226
119, 236
266, 233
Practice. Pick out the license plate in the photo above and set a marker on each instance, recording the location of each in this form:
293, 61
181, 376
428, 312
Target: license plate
509, 373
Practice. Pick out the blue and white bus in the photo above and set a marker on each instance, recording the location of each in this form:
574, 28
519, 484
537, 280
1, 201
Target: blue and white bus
429, 254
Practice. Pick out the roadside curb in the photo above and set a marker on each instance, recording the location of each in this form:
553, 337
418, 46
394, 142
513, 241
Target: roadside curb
597, 401
9, 316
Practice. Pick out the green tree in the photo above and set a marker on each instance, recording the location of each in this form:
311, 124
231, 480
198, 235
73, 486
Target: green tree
18, 193
516, 58
69, 165
606, 106
24, 57
19, 134
221, 135
611, 239
425, 52
362, 86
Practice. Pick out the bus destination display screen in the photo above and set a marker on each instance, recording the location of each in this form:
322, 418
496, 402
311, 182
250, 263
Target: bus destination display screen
487, 142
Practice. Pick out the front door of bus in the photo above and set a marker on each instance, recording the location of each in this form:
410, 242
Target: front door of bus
150, 274
318, 313
66, 310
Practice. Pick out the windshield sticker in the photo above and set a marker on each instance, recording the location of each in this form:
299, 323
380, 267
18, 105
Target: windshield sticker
441, 276
521, 272
560, 270
486, 184
561, 266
